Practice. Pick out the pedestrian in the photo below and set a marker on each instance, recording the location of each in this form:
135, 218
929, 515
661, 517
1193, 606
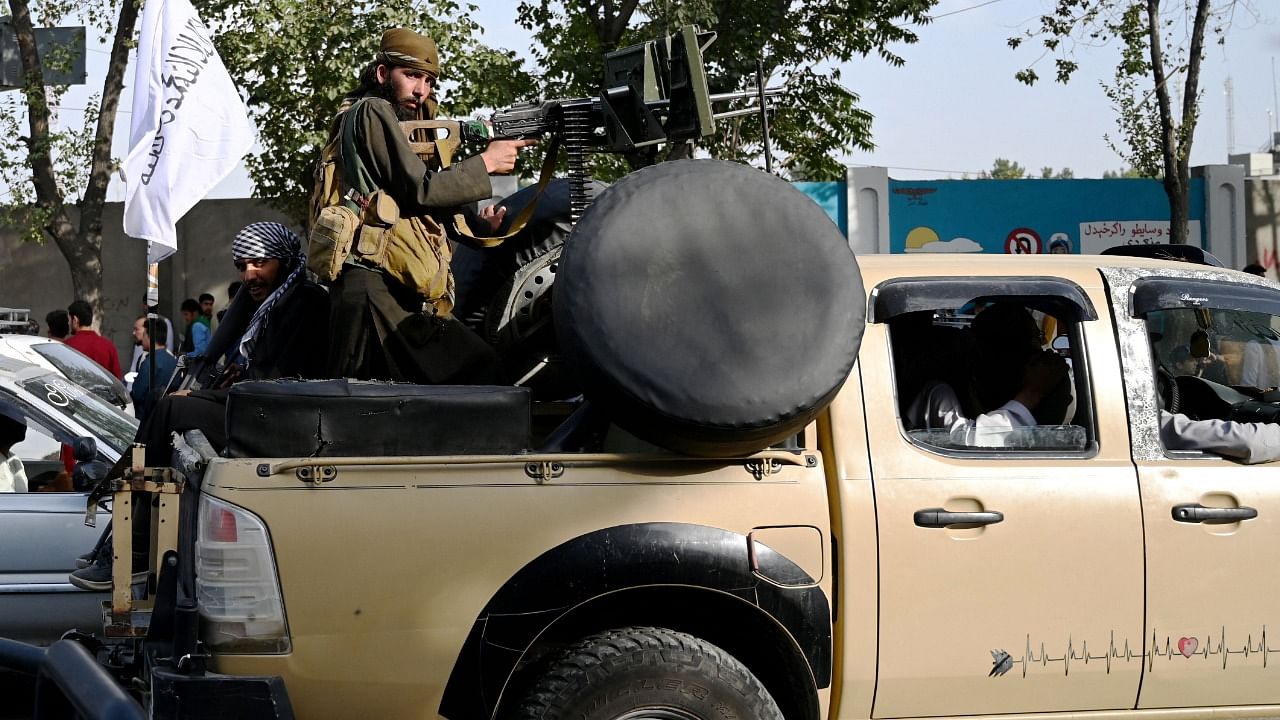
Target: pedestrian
152, 336
89, 342
59, 327
392, 300
232, 289
197, 335
138, 353
206, 310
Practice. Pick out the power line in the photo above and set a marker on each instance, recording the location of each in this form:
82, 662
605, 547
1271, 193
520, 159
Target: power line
962, 10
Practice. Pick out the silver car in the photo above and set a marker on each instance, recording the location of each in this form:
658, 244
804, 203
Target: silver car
42, 531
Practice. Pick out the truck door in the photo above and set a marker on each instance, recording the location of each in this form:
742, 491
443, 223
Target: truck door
1212, 524
1010, 565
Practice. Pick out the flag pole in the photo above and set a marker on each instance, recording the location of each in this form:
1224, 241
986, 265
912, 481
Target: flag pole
153, 300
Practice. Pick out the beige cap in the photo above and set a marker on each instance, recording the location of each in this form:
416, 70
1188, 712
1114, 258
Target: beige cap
404, 47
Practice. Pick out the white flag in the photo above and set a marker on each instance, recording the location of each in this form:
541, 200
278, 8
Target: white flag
189, 130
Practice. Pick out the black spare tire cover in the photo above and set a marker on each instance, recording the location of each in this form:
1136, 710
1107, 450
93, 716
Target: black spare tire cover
711, 308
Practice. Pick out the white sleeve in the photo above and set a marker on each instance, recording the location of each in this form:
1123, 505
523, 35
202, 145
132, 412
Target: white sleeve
1247, 442
938, 408
12, 477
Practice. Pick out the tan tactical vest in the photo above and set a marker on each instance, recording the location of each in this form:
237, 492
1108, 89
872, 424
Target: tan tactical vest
413, 250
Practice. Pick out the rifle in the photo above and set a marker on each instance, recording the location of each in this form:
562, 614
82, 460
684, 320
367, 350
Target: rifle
655, 93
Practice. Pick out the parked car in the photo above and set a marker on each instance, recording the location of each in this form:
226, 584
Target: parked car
75, 365
42, 531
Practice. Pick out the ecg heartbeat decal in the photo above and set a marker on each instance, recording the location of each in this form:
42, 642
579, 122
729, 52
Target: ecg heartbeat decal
1003, 662
1189, 647
1173, 648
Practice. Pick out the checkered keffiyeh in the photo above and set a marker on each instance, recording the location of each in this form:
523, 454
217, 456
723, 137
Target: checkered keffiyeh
266, 241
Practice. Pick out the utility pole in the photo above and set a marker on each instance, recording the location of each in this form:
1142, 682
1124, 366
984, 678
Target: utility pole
1231, 118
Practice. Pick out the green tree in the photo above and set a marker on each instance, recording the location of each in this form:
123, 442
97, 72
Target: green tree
1047, 173
297, 58
800, 42
1003, 169
1123, 173
1158, 41
48, 172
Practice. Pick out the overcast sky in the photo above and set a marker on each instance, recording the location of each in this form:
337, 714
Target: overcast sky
954, 106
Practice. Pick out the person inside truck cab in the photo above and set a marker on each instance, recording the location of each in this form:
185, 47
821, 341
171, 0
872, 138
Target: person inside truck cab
13, 430
1013, 378
1247, 442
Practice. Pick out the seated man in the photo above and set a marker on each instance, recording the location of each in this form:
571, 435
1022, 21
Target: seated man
277, 327
13, 430
1014, 377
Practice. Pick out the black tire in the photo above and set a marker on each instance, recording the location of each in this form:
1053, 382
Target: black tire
646, 672
708, 307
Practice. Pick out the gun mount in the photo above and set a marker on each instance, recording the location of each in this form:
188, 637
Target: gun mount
655, 92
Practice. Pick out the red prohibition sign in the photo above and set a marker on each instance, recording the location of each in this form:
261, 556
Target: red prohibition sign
1022, 241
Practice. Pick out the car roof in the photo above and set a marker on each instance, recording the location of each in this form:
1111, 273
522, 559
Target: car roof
1080, 269
24, 339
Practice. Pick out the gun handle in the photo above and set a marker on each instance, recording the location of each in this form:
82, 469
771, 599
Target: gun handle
426, 139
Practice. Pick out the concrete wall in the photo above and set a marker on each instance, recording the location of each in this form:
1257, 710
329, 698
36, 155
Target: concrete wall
1262, 224
36, 276
880, 214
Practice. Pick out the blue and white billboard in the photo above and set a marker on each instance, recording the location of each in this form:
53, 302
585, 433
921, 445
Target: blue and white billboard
1032, 216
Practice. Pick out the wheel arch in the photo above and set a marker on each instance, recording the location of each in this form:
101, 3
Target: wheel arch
691, 578
741, 629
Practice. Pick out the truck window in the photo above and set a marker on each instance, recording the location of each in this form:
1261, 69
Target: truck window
993, 375
1238, 348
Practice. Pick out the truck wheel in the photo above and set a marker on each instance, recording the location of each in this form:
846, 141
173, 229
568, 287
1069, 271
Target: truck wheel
645, 672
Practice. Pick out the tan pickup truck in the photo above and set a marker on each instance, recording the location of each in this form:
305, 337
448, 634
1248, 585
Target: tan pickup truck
745, 517
863, 568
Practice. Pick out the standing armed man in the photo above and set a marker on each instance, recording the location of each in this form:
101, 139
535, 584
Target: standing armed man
391, 303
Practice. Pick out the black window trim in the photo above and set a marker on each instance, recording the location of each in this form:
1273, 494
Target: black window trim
1168, 293
921, 291
893, 298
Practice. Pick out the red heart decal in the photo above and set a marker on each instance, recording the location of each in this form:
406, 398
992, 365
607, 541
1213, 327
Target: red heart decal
1187, 646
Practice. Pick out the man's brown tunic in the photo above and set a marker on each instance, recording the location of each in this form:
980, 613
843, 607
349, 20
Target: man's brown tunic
381, 329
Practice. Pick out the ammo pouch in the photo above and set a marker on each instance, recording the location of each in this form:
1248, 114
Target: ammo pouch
376, 225
332, 233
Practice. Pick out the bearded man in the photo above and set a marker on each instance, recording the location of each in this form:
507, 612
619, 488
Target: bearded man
277, 326
391, 304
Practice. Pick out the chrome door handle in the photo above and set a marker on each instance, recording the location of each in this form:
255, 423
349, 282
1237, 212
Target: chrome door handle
940, 518
1197, 513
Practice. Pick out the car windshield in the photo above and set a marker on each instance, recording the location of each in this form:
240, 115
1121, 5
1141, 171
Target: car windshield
84, 372
105, 421
1231, 347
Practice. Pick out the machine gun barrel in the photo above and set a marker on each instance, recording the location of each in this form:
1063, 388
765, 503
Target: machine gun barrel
747, 94
753, 110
